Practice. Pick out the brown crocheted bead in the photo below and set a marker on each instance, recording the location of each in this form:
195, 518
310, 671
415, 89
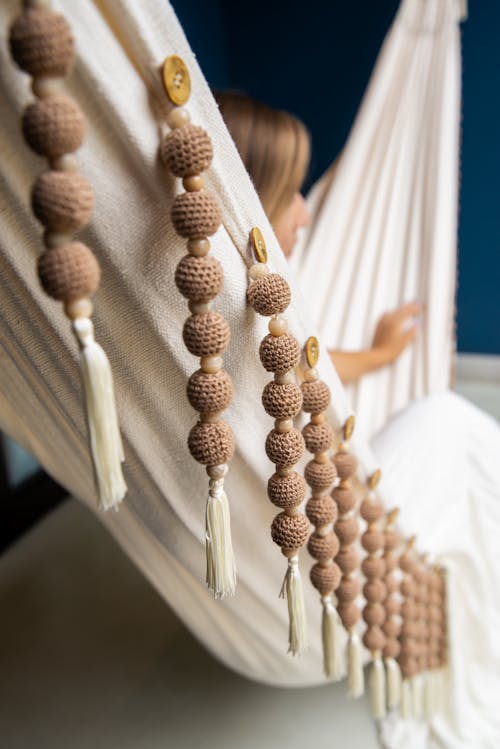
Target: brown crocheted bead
269, 294
410, 629
345, 499
408, 588
391, 628
282, 401
390, 562
206, 334
187, 150
323, 548
196, 215
319, 476
392, 649
286, 491
374, 614
346, 530
69, 272
371, 510
62, 201
279, 354
290, 531
374, 639
53, 126
209, 393
325, 579
316, 396
374, 590
199, 279
318, 437
347, 559
346, 464
41, 43
372, 541
392, 606
211, 444
349, 589
407, 563
321, 510
392, 540
373, 567
408, 665
349, 614
392, 584
284, 449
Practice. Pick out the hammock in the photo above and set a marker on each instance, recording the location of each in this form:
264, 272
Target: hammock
384, 220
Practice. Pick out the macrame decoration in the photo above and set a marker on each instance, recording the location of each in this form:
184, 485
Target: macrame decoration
321, 510
347, 531
269, 295
439, 634
392, 605
418, 682
186, 150
408, 658
42, 45
374, 590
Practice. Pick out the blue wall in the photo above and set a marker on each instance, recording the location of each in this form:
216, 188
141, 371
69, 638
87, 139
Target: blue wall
314, 59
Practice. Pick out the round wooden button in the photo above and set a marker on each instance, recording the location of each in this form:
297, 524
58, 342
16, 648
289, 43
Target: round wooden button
176, 80
374, 479
312, 351
258, 245
349, 427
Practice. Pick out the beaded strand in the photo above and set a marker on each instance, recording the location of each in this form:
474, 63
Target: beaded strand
409, 629
392, 605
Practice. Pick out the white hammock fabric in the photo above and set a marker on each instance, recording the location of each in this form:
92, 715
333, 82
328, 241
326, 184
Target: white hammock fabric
441, 454
384, 220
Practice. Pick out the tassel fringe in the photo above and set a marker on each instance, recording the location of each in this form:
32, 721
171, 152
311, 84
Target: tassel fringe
355, 676
332, 656
393, 678
104, 434
418, 697
377, 688
221, 566
292, 588
406, 699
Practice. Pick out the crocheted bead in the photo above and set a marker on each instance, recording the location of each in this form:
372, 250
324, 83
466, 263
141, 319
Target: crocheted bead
374, 639
392, 649
346, 464
269, 294
323, 548
282, 401
371, 510
286, 491
315, 395
374, 614
409, 666
392, 606
349, 614
284, 449
408, 588
69, 272
392, 584
206, 334
347, 559
407, 563
318, 437
390, 562
41, 43
279, 354
346, 530
374, 590
289, 531
53, 127
391, 628
196, 215
392, 540
187, 151
209, 393
319, 476
373, 567
410, 629
348, 589
199, 279
345, 499
211, 444
325, 579
372, 541
321, 510
62, 201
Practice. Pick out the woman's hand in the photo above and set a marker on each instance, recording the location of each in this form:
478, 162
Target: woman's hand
395, 331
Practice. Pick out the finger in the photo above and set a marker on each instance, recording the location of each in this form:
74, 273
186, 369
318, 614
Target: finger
410, 309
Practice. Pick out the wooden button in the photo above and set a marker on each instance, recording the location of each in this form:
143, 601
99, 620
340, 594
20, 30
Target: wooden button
349, 427
258, 245
312, 351
374, 479
176, 80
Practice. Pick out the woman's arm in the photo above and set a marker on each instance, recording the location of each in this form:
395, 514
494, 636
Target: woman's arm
394, 332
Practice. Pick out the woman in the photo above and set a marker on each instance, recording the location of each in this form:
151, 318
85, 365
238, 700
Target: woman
274, 147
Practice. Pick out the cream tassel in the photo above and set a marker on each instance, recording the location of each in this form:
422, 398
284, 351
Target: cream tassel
104, 434
393, 674
221, 566
377, 687
292, 588
418, 696
355, 676
429, 699
332, 656
406, 699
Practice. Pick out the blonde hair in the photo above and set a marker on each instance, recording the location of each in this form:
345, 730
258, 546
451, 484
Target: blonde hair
274, 146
